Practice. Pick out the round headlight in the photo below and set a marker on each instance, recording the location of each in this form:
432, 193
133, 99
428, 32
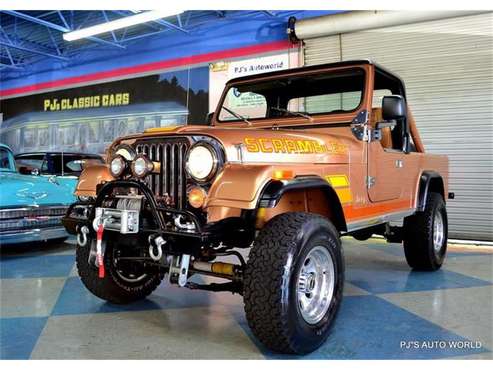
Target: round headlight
117, 165
201, 162
142, 166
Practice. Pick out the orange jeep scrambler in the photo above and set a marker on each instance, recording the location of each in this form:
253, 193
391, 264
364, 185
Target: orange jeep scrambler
289, 162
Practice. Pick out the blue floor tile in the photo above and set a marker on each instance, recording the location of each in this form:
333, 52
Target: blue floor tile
386, 280
76, 299
18, 336
369, 327
398, 250
36, 266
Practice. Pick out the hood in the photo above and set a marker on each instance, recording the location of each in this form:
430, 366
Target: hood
256, 145
26, 190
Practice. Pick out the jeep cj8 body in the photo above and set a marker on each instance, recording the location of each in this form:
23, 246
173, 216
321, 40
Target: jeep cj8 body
289, 162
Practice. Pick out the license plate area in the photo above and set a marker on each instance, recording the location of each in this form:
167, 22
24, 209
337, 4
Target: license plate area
124, 221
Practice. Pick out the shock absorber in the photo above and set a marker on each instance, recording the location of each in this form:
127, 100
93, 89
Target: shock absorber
220, 269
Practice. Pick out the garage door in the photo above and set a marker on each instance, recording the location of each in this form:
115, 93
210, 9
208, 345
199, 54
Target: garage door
447, 67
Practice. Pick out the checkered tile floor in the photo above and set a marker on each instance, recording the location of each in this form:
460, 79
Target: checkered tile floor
389, 312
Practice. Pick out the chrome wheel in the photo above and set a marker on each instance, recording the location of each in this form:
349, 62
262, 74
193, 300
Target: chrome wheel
438, 232
316, 282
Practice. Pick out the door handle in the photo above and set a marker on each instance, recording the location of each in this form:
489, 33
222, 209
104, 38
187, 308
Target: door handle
399, 163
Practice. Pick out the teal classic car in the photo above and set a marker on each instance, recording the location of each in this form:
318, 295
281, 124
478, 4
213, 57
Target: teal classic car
62, 167
31, 207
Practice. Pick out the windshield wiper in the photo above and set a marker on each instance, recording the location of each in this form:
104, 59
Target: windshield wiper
293, 113
237, 115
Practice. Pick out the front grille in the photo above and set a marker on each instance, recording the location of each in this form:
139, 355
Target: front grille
18, 219
170, 182
28, 212
28, 223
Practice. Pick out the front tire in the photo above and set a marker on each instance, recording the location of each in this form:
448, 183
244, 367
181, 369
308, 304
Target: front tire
425, 235
118, 286
293, 282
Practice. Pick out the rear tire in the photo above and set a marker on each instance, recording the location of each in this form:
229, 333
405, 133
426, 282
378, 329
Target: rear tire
293, 282
115, 287
425, 235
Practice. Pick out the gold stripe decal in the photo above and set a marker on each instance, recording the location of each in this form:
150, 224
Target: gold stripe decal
337, 181
340, 183
345, 195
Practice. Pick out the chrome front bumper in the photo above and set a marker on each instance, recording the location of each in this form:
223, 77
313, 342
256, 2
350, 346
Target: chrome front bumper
33, 235
31, 224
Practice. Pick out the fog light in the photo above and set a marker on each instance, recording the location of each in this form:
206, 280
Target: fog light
142, 166
196, 197
117, 165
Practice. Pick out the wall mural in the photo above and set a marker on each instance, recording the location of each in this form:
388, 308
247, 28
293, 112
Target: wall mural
87, 119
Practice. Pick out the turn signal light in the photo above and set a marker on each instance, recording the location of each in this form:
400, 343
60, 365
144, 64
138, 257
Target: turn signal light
282, 175
196, 197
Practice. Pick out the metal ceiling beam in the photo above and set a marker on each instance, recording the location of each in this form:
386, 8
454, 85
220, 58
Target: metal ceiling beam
11, 66
171, 25
161, 22
55, 26
29, 50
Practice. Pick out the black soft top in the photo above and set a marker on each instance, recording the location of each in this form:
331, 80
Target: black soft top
314, 68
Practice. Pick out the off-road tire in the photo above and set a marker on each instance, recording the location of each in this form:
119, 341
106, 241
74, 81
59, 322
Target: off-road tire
112, 287
418, 236
270, 279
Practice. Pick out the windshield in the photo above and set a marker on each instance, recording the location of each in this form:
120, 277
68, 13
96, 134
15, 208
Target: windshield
298, 95
73, 164
6, 160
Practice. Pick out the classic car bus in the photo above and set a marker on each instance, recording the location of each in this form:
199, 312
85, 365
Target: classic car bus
86, 130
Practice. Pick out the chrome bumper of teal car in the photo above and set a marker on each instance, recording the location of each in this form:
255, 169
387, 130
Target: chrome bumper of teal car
33, 235
30, 224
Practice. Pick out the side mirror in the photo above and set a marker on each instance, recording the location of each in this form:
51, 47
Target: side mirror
393, 107
208, 118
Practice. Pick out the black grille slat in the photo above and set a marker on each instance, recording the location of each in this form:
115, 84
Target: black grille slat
171, 180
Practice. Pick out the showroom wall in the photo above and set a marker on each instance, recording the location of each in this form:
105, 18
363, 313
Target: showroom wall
89, 118
85, 103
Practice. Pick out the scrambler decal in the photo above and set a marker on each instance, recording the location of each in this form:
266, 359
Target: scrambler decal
293, 146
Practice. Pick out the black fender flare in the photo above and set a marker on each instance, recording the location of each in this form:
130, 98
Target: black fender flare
429, 181
274, 190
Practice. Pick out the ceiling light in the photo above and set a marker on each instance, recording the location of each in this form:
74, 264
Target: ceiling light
119, 24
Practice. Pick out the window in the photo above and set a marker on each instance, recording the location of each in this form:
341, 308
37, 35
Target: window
386, 84
307, 94
44, 136
73, 164
30, 137
133, 125
248, 104
34, 160
68, 134
378, 96
149, 122
5, 160
122, 128
12, 138
108, 131
93, 132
